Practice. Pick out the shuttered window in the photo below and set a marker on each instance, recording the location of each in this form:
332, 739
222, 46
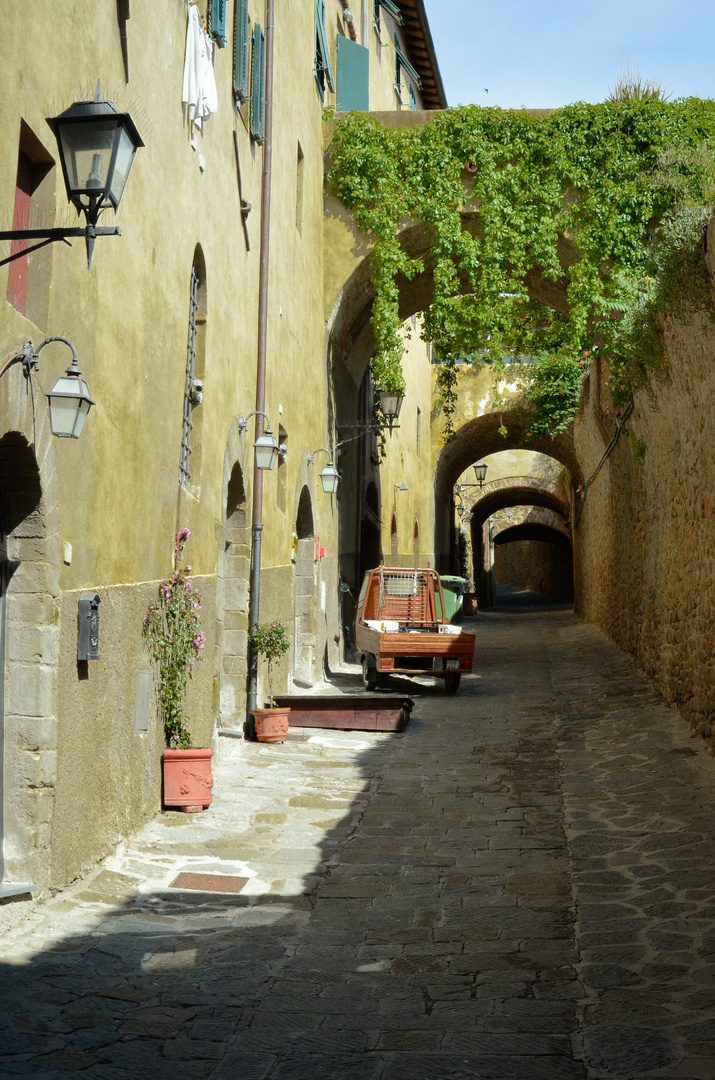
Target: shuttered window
241, 41
353, 76
323, 70
258, 85
217, 16
403, 64
392, 9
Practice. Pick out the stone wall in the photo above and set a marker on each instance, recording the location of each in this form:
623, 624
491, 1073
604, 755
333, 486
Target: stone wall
645, 543
537, 566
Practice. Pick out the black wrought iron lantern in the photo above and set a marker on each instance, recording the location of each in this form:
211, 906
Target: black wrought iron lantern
390, 403
480, 471
97, 144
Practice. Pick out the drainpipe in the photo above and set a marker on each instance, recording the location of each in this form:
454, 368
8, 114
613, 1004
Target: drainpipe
254, 605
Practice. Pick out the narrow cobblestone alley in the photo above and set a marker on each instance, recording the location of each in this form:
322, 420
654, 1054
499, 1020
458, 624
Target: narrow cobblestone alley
518, 887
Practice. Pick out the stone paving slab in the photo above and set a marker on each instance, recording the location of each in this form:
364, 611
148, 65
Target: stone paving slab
517, 887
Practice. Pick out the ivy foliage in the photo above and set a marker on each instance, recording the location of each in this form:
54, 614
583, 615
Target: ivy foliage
630, 184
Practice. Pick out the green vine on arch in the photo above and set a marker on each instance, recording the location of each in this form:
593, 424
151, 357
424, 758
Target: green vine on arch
630, 183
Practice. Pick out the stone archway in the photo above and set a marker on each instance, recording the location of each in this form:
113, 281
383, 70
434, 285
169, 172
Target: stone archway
536, 557
30, 644
304, 618
480, 437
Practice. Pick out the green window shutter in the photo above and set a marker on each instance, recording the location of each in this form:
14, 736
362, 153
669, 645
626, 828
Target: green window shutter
241, 41
353, 76
322, 52
404, 63
217, 15
258, 85
393, 10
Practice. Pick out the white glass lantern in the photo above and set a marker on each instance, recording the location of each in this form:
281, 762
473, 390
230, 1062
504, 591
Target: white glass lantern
480, 471
70, 402
266, 447
330, 478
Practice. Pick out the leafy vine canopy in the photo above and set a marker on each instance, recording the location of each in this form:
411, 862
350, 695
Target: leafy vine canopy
627, 186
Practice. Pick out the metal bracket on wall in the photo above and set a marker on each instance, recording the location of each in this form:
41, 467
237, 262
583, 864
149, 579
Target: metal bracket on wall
245, 206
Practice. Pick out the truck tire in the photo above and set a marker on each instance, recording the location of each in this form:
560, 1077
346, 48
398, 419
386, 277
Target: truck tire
369, 671
451, 682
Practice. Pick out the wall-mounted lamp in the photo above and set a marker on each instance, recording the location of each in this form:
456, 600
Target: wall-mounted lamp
70, 399
401, 487
266, 445
390, 404
329, 477
96, 145
480, 471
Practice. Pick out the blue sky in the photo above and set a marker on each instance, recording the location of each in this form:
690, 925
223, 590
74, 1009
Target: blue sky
547, 55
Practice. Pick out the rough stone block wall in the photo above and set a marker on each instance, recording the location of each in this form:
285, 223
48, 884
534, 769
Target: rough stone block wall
535, 565
645, 544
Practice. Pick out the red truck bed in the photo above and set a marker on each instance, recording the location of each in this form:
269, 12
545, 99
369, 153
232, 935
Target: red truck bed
397, 630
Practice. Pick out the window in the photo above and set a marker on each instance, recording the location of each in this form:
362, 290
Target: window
217, 21
390, 7
241, 39
258, 85
33, 199
193, 385
404, 72
323, 70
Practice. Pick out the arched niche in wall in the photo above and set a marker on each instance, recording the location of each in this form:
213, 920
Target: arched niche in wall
304, 618
234, 572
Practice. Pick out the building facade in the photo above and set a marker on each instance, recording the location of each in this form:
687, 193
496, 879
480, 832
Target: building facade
166, 329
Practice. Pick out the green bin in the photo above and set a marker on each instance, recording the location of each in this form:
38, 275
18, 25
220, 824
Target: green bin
454, 589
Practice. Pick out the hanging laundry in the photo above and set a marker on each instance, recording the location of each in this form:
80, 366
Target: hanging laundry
209, 95
199, 93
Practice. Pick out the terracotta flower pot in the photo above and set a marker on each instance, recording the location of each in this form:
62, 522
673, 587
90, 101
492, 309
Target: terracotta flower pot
187, 779
271, 724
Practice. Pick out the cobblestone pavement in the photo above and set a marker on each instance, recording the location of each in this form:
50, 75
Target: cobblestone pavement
518, 887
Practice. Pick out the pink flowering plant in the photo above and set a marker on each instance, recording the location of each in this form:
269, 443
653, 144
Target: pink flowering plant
172, 628
270, 640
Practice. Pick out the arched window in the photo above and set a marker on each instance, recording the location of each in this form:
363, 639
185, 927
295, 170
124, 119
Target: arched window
194, 374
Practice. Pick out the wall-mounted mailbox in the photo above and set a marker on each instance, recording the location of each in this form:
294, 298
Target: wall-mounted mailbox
88, 627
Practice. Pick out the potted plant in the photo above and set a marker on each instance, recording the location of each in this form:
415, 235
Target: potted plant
270, 640
172, 628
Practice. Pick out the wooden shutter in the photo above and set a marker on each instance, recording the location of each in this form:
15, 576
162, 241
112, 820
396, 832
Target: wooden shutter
258, 85
217, 13
17, 276
393, 10
402, 60
353, 76
323, 60
240, 50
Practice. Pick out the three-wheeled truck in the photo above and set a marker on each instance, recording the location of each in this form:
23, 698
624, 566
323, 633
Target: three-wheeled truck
398, 630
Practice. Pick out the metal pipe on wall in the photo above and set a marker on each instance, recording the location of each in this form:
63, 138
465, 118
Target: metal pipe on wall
254, 604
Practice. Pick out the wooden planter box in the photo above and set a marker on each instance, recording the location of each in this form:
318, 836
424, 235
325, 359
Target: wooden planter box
366, 713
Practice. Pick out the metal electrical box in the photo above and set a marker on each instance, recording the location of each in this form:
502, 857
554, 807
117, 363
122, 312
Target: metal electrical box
88, 627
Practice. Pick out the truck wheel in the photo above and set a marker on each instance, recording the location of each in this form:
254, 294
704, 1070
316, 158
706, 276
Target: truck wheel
451, 682
369, 671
